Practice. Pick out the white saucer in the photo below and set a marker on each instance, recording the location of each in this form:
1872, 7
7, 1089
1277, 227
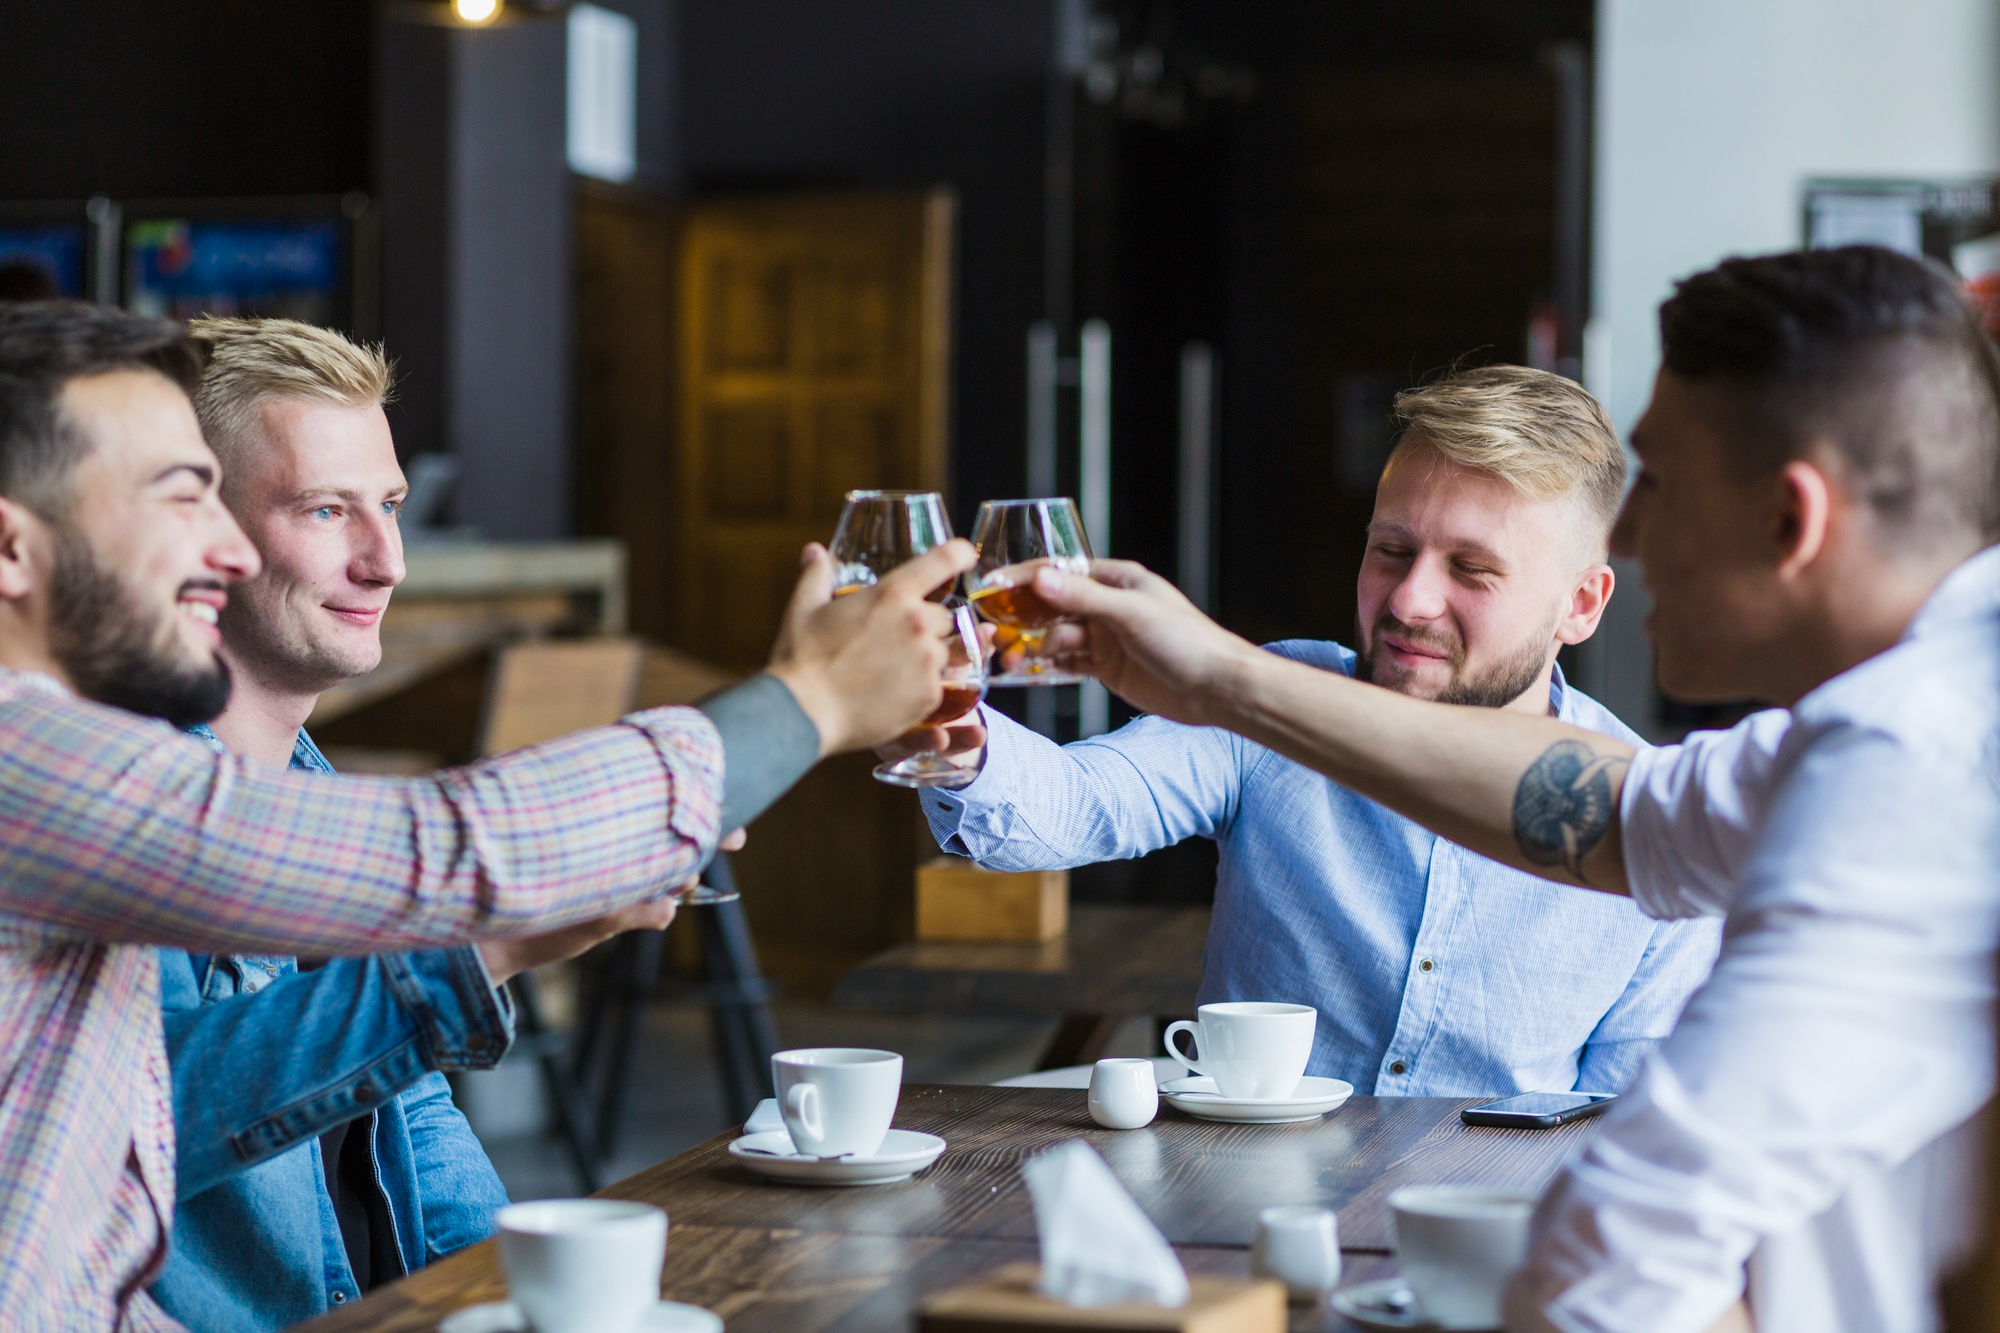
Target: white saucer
1374, 1305
1313, 1098
506, 1317
904, 1153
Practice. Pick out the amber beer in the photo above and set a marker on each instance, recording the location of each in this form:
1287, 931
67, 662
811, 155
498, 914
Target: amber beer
1016, 604
937, 594
958, 701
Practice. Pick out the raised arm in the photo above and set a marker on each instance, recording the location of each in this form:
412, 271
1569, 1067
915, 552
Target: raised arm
1530, 792
1040, 806
121, 830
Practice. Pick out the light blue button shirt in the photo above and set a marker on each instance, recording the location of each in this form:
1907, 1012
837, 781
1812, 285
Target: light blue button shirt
1435, 971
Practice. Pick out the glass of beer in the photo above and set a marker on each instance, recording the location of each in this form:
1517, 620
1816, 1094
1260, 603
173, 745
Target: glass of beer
964, 687
1015, 538
879, 530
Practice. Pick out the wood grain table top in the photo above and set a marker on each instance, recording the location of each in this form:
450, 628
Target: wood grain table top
781, 1281
1201, 1182
772, 1256
1114, 960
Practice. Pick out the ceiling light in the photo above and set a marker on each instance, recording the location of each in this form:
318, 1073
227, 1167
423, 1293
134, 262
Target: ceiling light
476, 11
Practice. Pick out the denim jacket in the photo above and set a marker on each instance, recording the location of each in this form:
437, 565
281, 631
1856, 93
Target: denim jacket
265, 1058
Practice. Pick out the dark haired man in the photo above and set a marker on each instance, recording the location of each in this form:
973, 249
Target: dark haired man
1815, 518
115, 560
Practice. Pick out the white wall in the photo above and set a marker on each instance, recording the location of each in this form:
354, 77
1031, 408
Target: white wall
1711, 116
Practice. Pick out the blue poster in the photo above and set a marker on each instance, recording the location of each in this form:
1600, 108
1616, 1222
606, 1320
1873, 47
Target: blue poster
280, 268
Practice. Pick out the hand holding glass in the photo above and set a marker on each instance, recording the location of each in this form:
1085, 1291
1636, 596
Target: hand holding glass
878, 531
964, 687
1015, 538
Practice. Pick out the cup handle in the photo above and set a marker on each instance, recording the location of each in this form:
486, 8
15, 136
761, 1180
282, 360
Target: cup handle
1193, 1066
802, 1113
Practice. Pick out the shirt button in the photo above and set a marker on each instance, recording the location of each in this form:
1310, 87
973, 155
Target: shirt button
1426, 965
364, 1092
1398, 1067
340, 1298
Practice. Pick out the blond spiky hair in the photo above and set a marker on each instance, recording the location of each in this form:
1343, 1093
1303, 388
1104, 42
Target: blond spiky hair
1537, 431
251, 360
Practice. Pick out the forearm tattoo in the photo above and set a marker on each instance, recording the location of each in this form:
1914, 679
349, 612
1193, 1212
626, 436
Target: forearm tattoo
1565, 804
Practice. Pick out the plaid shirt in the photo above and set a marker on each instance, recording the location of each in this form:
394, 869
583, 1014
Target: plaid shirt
117, 832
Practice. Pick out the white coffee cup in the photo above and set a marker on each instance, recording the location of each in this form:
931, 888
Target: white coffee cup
1251, 1050
1457, 1245
583, 1265
1300, 1246
837, 1100
1123, 1094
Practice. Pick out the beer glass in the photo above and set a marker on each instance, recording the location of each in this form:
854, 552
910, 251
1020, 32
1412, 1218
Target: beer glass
879, 530
1015, 538
964, 687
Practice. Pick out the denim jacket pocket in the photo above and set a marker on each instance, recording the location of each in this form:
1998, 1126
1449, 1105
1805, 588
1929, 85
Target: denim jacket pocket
306, 1118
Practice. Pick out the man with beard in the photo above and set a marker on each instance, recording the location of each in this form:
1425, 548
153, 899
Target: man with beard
268, 1238
1485, 556
115, 831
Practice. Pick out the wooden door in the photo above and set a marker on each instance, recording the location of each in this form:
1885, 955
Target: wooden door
814, 356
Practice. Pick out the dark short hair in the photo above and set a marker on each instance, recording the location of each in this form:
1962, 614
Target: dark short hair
1872, 353
43, 346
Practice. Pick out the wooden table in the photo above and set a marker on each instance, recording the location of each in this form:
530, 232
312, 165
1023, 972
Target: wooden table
1117, 962
775, 1257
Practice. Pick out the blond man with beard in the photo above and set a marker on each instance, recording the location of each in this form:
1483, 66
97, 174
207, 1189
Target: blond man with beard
1485, 556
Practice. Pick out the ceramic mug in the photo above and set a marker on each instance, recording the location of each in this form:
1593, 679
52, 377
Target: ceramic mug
583, 1265
1123, 1094
1253, 1051
1300, 1246
1457, 1246
837, 1100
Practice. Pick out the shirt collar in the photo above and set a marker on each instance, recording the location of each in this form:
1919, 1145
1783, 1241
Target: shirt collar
305, 754
1969, 592
36, 680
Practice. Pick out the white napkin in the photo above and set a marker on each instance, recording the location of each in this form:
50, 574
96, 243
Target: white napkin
765, 1118
1098, 1248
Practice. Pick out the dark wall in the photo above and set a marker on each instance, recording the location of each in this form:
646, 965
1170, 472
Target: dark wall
1383, 207
177, 97
888, 93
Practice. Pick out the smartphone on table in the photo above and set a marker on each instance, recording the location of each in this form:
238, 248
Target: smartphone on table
1538, 1110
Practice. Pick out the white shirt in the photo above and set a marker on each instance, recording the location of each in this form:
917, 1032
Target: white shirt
1813, 1115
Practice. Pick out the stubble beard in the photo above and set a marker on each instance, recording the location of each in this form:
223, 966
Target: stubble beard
1496, 687
281, 652
116, 653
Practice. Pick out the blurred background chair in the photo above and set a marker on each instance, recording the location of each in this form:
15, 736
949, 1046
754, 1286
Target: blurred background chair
541, 690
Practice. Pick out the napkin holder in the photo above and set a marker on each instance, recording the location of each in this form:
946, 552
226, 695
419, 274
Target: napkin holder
956, 900
1007, 1301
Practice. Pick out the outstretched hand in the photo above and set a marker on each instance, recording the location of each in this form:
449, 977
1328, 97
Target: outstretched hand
867, 666
511, 956
1134, 631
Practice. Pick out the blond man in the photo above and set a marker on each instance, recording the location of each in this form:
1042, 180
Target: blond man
1485, 555
319, 1152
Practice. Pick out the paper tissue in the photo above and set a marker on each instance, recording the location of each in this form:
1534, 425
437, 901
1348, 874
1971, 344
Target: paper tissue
1097, 1247
1104, 1267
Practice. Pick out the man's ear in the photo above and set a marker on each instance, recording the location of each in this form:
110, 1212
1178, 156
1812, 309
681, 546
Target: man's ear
23, 539
1805, 503
1586, 604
